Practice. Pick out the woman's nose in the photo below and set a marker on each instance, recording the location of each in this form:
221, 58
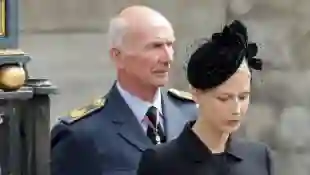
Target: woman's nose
236, 108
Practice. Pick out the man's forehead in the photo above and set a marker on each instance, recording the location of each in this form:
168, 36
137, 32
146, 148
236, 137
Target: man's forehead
145, 34
165, 35
158, 33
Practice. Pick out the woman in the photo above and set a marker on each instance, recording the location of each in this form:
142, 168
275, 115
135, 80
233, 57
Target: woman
219, 72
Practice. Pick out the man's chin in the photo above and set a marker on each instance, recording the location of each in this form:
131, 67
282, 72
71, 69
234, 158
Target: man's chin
161, 82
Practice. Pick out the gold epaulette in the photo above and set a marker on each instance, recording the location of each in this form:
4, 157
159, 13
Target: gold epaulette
181, 95
11, 52
79, 113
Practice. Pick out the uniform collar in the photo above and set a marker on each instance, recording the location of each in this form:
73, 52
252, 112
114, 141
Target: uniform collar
137, 105
195, 149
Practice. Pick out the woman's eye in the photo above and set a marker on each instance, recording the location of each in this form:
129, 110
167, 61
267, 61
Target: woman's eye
244, 97
223, 99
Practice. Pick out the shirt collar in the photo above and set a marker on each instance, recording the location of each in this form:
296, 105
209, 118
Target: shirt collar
138, 106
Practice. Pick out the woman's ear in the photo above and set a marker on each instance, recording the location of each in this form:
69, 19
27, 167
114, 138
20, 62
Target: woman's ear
194, 93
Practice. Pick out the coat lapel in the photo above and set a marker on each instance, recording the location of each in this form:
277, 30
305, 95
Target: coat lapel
174, 118
125, 121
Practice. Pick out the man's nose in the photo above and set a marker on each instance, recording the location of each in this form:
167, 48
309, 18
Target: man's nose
168, 52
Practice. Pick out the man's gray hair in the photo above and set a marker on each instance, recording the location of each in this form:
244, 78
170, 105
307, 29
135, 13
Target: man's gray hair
117, 30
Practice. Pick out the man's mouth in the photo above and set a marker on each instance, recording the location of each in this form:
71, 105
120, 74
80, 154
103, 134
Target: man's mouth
161, 71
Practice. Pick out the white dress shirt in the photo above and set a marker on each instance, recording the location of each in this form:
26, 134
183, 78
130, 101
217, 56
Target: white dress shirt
140, 107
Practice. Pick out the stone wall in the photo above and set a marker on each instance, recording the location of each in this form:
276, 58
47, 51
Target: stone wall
67, 42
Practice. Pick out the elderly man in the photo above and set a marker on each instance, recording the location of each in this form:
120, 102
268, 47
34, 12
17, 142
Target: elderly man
107, 136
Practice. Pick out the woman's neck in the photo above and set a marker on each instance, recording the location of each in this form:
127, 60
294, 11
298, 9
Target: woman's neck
214, 139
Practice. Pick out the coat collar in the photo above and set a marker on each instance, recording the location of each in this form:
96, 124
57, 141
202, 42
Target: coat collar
129, 128
125, 121
193, 147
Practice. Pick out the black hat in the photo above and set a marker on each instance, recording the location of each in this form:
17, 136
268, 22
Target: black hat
218, 59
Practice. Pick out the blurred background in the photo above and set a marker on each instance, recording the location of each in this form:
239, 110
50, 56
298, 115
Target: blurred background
67, 42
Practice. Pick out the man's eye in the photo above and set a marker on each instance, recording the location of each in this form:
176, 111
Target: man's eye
157, 45
169, 44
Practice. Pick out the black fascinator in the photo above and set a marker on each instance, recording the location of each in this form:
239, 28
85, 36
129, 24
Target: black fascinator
218, 59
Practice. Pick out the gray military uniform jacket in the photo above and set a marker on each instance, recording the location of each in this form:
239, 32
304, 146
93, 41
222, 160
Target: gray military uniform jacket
105, 138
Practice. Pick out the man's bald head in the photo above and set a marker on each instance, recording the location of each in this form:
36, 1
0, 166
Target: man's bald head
138, 16
133, 19
141, 47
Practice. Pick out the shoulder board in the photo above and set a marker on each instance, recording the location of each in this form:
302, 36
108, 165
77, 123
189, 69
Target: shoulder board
181, 95
79, 113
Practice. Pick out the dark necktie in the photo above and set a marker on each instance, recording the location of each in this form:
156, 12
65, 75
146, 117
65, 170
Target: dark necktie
154, 129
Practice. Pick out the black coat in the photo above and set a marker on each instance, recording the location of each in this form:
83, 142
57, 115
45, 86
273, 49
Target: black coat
187, 155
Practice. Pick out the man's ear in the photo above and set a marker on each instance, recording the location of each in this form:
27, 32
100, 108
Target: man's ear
114, 53
116, 57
